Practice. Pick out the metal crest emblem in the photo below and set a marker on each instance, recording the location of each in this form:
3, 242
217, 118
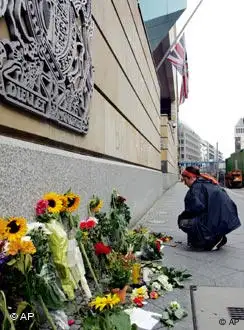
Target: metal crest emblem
46, 65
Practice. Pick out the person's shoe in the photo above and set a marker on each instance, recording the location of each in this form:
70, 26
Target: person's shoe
219, 243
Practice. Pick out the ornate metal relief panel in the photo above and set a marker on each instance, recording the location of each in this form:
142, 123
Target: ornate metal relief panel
46, 66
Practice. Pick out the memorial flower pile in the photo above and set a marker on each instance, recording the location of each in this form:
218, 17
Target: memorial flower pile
46, 261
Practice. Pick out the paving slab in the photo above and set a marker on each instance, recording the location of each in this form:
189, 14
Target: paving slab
223, 268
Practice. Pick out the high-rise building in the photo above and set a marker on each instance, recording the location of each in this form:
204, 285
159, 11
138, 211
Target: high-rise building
239, 135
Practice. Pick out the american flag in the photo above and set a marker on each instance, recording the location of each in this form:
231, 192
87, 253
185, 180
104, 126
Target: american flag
178, 57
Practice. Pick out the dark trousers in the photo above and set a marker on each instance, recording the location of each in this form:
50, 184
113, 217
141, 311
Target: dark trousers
194, 236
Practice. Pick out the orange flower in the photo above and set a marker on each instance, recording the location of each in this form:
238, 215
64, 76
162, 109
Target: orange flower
27, 247
13, 247
24, 246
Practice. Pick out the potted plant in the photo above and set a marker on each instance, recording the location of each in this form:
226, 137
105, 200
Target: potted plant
120, 274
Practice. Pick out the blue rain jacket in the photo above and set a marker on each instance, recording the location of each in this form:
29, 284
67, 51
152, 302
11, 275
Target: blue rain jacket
212, 210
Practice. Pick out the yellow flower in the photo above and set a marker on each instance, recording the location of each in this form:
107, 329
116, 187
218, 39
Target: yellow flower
3, 224
140, 292
144, 230
13, 247
27, 247
15, 228
98, 207
64, 201
98, 303
73, 202
54, 202
112, 300
107, 301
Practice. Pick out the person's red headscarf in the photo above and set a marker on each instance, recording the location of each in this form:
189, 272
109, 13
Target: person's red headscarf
202, 175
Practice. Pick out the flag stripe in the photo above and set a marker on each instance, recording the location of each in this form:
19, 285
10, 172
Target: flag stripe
178, 58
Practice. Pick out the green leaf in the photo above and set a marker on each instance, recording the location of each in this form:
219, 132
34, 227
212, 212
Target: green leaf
165, 316
11, 262
120, 320
134, 327
28, 262
179, 313
169, 323
178, 283
6, 317
21, 307
169, 310
91, 323
20, 266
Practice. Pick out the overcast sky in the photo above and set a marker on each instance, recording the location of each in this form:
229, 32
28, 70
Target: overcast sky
214, 42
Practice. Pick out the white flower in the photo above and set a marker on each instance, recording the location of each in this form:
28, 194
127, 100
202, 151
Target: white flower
147, 272
94, 219
36, 226
156, 286
163, 279
174, 305
168, 287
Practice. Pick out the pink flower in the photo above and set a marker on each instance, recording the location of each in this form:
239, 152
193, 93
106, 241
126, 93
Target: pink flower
41, 206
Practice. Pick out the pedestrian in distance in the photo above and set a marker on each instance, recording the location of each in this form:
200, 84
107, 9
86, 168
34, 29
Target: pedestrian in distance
209, 215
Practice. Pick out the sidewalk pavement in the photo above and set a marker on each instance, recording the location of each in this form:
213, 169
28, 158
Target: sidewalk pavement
207, 268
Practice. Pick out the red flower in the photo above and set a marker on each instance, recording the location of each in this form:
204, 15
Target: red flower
158, 245
41, 206
83, 225
153, 295
100, 248
166, 239
89, 223
138, 301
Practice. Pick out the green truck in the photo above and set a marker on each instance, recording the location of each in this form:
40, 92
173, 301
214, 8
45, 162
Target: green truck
234, 177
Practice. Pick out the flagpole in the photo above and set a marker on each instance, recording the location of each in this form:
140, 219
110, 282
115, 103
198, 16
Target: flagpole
178, 37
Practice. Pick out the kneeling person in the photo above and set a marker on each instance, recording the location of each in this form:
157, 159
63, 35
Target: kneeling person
209, 214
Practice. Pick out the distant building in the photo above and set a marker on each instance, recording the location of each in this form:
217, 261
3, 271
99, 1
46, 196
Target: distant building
189, 144
196, 151
239, 135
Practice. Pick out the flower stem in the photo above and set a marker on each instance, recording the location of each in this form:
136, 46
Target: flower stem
89, 210
48, 316
89, 264
71, 223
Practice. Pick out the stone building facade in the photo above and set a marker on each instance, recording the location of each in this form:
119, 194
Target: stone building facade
92, 119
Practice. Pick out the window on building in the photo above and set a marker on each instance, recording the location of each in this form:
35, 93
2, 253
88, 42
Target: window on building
165, 106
